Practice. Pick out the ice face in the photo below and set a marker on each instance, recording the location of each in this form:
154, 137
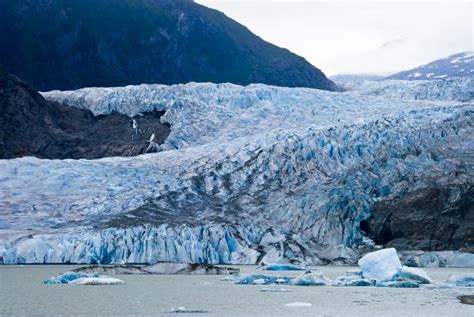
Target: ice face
382, 265
247, 173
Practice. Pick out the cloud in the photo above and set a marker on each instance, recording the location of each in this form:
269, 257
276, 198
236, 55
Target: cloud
394, 42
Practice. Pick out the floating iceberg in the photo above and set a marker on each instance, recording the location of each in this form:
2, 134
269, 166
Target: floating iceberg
414, 274
67, 277
101, 280
283, 267
460, 280
75, 278
311, 278
183, 310
298, 304
382, 265
352, 278
398, 284
275, 290
262, 279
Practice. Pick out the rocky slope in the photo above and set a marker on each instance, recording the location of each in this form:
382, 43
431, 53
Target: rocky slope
65, 44
429, 219
33, 126
457, 65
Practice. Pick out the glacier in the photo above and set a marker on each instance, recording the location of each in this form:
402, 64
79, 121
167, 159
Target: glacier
248, 175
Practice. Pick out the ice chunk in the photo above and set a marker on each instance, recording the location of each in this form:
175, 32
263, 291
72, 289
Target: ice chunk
283, 267
311, 278
381, 265
266, 279
461, 280
352, 280
275, 290
414, 274
298, 304
67, 277
183, 310
102, 280
259, 281
398, 284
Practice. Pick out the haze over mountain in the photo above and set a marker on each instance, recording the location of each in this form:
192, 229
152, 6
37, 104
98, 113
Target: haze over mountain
116, 43
457, 65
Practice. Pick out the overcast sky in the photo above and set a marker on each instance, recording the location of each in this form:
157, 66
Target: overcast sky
358, 37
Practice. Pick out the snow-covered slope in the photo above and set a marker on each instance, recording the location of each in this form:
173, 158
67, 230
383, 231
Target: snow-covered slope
247, 174
457, 65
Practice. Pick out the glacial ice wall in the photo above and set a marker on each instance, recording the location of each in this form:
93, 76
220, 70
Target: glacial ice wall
250, 174
456, 88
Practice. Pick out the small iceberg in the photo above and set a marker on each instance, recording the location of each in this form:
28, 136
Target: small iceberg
74, 278
382, 265
275, 290
311, 278
298, 304
415, 274
67, 277
102, 280
263, 279
352, 279
399, 284
382, 268
183, 310
283, 267
461, 280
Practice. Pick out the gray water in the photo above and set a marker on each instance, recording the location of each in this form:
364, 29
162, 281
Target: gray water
23, 294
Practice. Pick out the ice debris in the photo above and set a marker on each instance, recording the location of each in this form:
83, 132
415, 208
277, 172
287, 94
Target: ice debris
398, 284
75, 278
298, 304
382, 268
275, 290
311, 278
461, 280
183, 310
262, 279
101, 280
67, 277
352, 278
283, 267
415, 274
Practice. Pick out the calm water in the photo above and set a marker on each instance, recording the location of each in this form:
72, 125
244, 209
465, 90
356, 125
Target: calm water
23, 294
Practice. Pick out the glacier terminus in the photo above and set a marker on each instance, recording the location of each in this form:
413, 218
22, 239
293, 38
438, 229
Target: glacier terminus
248, 174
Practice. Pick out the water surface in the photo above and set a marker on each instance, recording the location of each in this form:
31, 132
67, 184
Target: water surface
23, 294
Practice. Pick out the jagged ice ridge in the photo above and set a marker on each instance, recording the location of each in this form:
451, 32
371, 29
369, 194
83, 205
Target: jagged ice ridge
248, 174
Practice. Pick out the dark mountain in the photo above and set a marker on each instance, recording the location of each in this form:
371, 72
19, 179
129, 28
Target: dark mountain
457, 65
68, 44
33, 126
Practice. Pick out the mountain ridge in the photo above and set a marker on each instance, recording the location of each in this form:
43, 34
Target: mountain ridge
116, 43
